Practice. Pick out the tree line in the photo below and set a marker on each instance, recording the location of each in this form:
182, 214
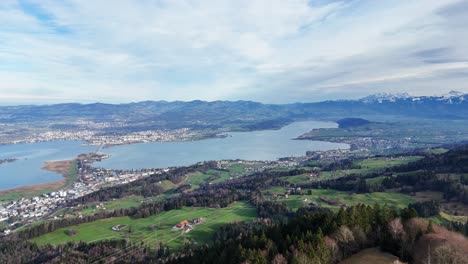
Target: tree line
310, 235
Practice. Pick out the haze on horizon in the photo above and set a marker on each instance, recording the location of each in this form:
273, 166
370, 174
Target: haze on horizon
271, 51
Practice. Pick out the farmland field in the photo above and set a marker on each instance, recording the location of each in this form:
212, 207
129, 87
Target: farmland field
297, 179
395, 200
371, 165
156, 228
125, 202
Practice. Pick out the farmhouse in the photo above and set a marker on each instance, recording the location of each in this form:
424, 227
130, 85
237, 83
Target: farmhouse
279, 195
197, 221
183, 224
118, 227
188, 225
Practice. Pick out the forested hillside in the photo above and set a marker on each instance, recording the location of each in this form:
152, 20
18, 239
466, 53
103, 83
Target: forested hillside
413, 206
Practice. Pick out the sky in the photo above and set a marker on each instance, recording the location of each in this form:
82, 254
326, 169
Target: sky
272, 51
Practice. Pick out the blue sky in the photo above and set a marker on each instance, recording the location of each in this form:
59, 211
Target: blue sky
273, 51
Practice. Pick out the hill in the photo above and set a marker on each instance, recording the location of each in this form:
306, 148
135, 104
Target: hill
449, 106
352, 122
201, 119
321, 211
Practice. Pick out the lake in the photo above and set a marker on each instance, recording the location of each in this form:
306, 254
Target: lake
27, 170
255, 145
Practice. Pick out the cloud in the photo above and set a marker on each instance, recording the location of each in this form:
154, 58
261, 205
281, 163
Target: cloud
266, 50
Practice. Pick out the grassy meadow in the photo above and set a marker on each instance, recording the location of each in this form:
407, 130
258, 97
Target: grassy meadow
156, 228
371, 165
394, 200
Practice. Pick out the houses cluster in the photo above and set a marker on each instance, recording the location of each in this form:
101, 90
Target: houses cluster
181, 134
90, 180
36, 207
30, 209
50, 135
288, 192
365, 144
92, 133
182, 224
280, 195
330, 155
186, 225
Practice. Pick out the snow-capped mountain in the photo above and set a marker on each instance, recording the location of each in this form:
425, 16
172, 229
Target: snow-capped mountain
385, 97
453, 97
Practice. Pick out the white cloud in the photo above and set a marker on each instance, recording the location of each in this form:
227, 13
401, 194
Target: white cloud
275, 51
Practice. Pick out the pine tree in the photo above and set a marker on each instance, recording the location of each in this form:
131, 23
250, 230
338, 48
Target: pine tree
341, 218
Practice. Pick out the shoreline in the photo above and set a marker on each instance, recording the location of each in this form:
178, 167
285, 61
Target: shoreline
203, 136
66, 168
35, 189
61, 167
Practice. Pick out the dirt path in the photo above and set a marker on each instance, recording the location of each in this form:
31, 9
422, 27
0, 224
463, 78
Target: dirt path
371, 256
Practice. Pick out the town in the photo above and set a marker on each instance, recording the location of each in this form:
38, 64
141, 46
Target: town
90, 179
29, 210
92, 134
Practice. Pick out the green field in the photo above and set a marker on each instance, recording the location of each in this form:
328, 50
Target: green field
371, 165
302, 178
444, 218
197, 178
211, 176
417, 132
162, 224
223, 175
437, 150
125, 202
72, 175
375, 180
167, 185
238, 168
10, 195
395, 200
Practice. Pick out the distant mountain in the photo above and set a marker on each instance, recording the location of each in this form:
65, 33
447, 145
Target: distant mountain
453, 105
237, 115
453, 97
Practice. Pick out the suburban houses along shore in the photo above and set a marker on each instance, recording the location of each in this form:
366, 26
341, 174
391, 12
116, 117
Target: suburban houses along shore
18, 213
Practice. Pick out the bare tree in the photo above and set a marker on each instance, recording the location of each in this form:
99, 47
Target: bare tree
446, 254
396, 228
345, 239
279, 259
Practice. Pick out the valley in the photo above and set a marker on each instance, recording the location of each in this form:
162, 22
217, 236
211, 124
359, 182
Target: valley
146, 200
234, 132
223, 193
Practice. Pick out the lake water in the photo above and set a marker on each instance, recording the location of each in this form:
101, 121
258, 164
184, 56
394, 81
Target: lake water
31, 157
256, 145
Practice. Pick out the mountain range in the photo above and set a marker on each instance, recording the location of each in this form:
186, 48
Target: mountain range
237, 115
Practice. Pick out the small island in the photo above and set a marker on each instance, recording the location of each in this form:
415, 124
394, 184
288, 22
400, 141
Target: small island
8, 160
